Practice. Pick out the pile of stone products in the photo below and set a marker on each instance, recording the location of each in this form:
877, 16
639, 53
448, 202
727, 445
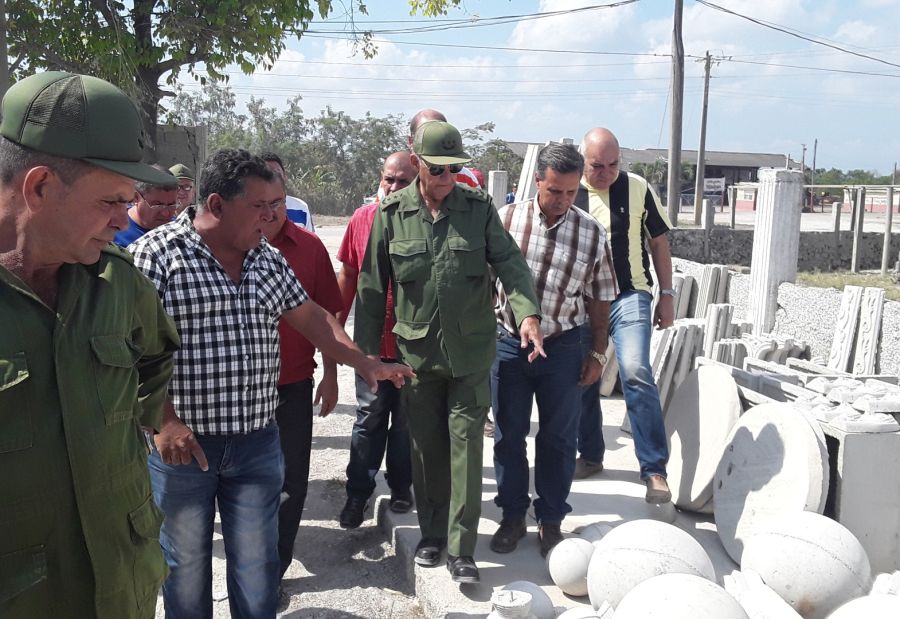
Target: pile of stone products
857, 332
763, 471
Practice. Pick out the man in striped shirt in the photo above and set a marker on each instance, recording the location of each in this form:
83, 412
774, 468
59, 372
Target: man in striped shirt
630, 211
570, 260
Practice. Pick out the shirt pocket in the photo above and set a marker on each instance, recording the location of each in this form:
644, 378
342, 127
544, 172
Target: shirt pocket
21, 570
15, 414
469, 255
149, 565
116, 376
409, 260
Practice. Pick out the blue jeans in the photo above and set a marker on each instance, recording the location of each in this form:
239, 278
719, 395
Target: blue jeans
630, 322
371, 437
245, 475
553, 382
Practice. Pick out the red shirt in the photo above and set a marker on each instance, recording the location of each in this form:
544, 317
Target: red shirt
309, 259
352, 252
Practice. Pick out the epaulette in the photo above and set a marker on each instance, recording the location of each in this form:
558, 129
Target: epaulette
393, 198
119, 252
476, 194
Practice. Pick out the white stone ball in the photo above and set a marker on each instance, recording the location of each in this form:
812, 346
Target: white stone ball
679, 596
869, 607
814, 563
638, 550
595, 532
541, 604
568, 565
586, 612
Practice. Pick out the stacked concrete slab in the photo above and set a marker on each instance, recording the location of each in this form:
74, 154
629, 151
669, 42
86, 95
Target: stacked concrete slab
857, 334
713, 288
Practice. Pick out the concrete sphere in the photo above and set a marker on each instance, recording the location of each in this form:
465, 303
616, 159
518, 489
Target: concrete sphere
869, 607
595, 532
585, 612
679, 596
568, 565
638, 550
814, 563
541, 604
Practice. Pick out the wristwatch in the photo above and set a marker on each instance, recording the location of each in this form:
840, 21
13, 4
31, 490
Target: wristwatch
599, 357
668, 291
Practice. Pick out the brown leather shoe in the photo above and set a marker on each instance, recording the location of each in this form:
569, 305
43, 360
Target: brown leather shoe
549, 536
586, 468
657, 490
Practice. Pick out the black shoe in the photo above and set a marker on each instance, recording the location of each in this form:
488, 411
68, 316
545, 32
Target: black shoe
353, 513
508, 535
401, 502
549, 536
463, 569
428, 551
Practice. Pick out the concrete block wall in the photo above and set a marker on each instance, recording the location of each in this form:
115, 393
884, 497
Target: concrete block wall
810, 314
735, 247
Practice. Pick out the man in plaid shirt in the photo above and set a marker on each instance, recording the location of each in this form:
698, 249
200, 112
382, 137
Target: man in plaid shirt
226, 289
570, 259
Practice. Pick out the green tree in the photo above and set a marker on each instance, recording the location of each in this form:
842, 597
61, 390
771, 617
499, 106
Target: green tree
140, 43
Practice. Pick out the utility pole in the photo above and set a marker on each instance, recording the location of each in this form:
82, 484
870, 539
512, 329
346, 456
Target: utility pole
701, 151
674, 181
803, 162
812, 175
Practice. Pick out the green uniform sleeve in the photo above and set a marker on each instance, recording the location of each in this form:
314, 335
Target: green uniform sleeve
372, 287
508, 262
154, 332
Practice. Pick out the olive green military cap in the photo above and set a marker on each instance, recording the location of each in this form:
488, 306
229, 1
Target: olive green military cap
78, 117
179, 170
439, 143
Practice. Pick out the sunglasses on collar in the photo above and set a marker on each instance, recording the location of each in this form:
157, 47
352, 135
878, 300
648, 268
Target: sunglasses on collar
437, 170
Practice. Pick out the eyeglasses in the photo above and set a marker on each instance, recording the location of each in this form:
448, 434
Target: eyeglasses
437, 170
156, 206
185, 188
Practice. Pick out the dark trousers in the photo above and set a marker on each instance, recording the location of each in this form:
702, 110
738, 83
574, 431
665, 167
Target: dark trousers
373, 436
515, 385
294, 416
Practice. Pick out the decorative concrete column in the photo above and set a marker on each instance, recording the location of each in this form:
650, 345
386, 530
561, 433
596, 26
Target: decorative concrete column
776, 242
497, 183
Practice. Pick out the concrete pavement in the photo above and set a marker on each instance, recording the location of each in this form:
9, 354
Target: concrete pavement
614, 496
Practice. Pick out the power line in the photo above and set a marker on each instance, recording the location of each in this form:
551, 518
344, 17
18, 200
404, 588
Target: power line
508, 49
478, 22
824, 69
793, 33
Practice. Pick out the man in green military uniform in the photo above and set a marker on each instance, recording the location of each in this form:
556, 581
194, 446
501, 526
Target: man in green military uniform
433, 242
85, 357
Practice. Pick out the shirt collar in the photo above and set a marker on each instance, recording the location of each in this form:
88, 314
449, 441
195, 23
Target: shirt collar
543, 218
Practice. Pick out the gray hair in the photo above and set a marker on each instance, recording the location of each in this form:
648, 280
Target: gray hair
143, 187
15, 159
561, 158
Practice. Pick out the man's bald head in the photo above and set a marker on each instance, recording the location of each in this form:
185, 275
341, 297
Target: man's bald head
397, 172
422, 117
600, 149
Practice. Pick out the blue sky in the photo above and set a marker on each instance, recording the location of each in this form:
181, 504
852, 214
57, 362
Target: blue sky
755, 105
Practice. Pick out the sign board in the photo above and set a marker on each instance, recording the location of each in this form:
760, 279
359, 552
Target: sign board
714, 185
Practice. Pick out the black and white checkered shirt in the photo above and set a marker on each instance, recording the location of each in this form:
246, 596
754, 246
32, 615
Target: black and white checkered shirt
226, 372
570, 260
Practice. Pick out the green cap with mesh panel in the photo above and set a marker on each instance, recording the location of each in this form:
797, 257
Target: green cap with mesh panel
179, 170
439, 143
78, 117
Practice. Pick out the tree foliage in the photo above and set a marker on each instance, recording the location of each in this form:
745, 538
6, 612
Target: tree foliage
332, 160
140, 43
